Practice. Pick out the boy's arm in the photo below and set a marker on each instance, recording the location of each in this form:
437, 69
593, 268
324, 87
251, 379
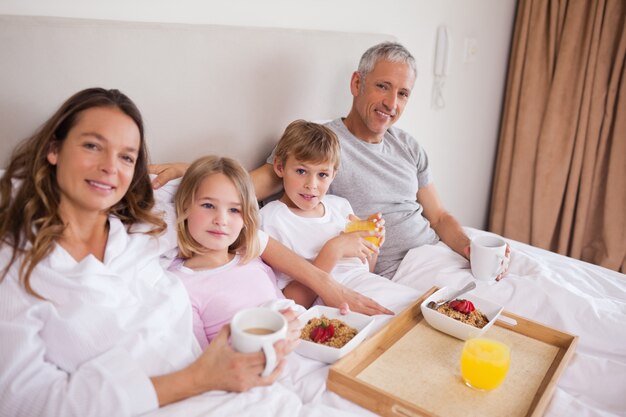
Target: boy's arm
346, 245
300, 293
329, 255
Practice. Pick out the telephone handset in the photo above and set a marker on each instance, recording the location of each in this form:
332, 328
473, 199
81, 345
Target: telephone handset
441, 53
440, 69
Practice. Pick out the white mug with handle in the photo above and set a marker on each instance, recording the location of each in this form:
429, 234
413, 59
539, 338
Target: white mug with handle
487, 257
257, 329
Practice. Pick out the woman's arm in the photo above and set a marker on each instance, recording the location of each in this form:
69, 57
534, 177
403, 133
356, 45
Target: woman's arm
218, 368
334, 294
221, 368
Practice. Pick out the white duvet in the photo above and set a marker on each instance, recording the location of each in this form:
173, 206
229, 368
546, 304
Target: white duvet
569, 295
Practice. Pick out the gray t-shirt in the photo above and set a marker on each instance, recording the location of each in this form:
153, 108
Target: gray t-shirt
384, 177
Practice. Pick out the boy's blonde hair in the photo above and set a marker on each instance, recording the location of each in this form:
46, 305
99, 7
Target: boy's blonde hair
309, 142
247, 243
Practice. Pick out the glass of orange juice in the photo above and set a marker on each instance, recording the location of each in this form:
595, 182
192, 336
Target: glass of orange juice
358, 225
484, 363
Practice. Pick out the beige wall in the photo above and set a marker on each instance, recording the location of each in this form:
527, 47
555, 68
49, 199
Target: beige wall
460, 139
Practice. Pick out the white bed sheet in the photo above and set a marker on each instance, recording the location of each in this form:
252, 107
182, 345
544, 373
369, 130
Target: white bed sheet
569, 295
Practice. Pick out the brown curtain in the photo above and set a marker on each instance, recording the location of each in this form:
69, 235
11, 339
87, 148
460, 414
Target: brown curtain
560, 178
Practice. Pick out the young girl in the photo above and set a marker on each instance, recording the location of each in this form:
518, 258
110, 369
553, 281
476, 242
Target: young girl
219, 245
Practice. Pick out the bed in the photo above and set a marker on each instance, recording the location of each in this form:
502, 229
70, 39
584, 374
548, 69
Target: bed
255, 81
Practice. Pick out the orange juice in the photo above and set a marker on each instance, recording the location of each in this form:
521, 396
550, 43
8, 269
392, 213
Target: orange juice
358, 225
484, 363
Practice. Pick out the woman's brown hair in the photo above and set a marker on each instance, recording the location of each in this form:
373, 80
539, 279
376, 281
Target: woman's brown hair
29, 194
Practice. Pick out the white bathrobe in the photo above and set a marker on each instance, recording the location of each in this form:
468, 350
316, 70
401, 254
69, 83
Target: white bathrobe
88, 348
103, 330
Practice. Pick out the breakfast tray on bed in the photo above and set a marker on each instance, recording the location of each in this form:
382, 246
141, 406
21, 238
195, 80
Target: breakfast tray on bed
410, 369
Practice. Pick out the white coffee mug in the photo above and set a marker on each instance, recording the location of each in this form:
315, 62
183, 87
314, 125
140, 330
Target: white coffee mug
487, 257
257, 329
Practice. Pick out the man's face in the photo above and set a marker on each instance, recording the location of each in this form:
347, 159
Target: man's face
379, 98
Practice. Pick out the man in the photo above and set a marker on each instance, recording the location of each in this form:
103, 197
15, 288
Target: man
383, 169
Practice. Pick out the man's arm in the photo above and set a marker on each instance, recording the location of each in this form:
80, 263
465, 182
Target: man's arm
167, 172
266, 182
443, 223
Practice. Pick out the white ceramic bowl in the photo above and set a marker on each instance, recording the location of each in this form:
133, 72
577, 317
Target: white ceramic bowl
329, 354
454, 327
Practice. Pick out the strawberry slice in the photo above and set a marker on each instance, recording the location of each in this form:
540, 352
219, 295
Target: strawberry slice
462, 306
323, 332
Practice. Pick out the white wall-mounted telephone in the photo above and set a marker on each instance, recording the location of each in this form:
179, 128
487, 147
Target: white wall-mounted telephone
440, 69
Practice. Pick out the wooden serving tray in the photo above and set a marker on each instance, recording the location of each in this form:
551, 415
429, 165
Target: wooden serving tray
410, 369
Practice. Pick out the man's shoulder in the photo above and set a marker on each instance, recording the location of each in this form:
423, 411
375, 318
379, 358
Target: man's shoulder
337, 126
400, 134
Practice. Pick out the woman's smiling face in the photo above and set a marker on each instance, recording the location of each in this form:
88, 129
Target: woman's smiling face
95, 163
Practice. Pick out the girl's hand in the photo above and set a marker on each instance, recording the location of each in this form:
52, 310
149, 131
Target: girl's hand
340, 296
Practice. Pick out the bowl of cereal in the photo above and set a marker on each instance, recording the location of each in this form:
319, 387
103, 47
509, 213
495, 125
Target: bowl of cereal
327, 335
464, 318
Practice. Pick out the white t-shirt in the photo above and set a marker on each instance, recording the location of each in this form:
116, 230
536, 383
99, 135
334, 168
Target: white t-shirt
217, 294
306, 236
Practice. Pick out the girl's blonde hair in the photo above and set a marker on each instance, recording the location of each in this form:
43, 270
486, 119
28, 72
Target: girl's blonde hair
29, 193
247, 243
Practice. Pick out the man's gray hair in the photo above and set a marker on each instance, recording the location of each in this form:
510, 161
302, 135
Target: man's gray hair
386, 51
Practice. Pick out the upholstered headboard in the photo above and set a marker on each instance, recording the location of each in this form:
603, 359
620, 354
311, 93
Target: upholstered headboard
201, 88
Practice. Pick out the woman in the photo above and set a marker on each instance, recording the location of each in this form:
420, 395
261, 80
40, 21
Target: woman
87, 327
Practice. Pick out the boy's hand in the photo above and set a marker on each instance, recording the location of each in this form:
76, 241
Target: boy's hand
354, 244
376, 218
380, 225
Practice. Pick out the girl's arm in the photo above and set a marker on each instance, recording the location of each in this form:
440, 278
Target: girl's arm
334, 294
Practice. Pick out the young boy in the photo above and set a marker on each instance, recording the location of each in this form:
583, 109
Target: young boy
311, 223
